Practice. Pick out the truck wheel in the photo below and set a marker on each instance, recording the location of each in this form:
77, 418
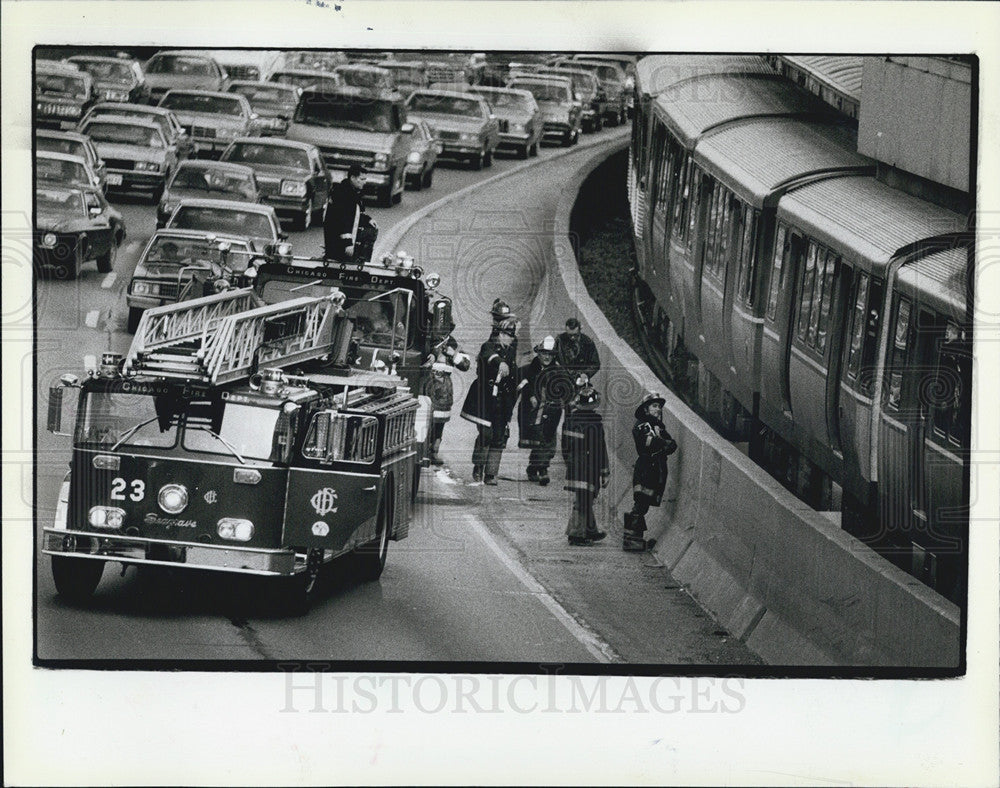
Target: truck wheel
384, 199
369, 559
428, 178
76, 578
106, 261
302, 589
134, 316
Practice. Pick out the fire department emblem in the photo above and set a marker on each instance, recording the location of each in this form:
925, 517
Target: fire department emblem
320, 528
211, 496
324, 501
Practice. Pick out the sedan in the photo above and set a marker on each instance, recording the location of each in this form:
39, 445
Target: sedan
183, 70
256, 221
518, 116
212, 119
462, 121
360, 75
561, 114
273, 104
292, 175
304, 78
62, 94
73, 226
73, 144
136, 152
172, 129
64, 170
115, 78
424, 151
210, 180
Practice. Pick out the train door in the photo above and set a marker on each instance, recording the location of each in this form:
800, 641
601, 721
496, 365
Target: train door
655, 226
832, 319
773, 383
795, 261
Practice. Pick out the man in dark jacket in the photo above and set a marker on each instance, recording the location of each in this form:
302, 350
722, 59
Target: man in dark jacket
546, 389
653, 444
576, 351
490, 401
343, 216
587, 471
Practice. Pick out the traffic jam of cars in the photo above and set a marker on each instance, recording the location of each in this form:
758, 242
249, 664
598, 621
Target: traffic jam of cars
234, 147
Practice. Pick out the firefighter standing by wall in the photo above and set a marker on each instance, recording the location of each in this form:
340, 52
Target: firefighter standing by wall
546, 388
587, 471
649, 478
343, 216
490, 401
576, 351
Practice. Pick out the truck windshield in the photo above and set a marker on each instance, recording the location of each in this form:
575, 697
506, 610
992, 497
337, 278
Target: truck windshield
110, 418
245, 430
346, 112
445, 105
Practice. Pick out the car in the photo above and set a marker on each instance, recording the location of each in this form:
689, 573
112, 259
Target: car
273, 103
586, 90
137, 154
561, 114
611, 77
450, 71
62, 94
424, 151
408, 76
211, 180
357, 126
252, 65
170, 258
182, 70
115, 78
255, 220
314, 59
171, 127
65, 170
306, 78
213, 119
72, 226
74, 144
292, 176
518, 116
462, 121
361, 75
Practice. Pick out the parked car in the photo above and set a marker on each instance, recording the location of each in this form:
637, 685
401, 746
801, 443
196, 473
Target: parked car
64, 170
518, 117
137, 154
73, 143
611, 77
210, 180
212, 119
292, 176
424, 151
255, 220
62, 94
305, 78
561, 114
273, 103
73, 226
254, 65
450, 71
361, 75
408, 76
357, 126
173, 131
169, 262
182, 70
314, 59
462, 121
586, 90
115, 78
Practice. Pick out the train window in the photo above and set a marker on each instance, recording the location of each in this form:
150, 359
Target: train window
952, 403
684, 185
824, 316
857, 326
811, 335
806, 294
898, 354
781, 244
748, 255
693, 206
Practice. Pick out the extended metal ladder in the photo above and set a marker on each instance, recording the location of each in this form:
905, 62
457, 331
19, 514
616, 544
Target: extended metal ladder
225, 337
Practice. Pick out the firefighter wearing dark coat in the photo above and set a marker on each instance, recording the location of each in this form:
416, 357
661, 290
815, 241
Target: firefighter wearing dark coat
587, 470
490, 401
576, 351
653, 444
546, 389
499, 312
343, 216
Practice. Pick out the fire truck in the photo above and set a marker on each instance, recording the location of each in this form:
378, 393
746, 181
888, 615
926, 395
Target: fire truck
265, 430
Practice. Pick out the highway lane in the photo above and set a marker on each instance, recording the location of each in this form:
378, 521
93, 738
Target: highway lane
449, 592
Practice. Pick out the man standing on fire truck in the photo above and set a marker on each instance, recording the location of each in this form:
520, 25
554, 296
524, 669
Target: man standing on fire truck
343, 215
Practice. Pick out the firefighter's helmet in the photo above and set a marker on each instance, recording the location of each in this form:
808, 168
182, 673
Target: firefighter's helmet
507, 326
587, 398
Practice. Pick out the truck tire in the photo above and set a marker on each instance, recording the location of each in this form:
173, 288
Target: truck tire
302, 589
76, 579
369, 559
106, 262
134, 316
385, 197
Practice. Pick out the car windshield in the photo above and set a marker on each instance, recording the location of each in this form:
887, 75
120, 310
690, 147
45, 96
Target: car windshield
59, 201
262, 93
196, 102
223, 220
407, 75
304, 81
363, 78
445, 105
508, 101
70, 147
125, 134
346, 112
61, 170
584, 83
62, 84
544, 91
275, 155
236, 184
116, 418
124, 111
182, 65
107, 69
184, 251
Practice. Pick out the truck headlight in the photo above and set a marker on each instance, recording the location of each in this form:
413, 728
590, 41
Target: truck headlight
235, 529
413, 157
293, 189
106, 517
147, 166
145, 288
49, 240
381, 158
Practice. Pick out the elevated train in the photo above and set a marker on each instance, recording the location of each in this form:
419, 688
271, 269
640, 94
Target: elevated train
805, 306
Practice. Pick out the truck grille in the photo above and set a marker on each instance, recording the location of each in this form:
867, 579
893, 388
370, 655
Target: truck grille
504, 125
200, 131
447, 135
120, 164
341, 158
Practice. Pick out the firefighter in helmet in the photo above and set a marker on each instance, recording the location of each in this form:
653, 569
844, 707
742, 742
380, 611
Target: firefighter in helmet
653, 444
546, 389
499, 312
587, 472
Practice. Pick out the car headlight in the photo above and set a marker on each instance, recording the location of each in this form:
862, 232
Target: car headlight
106, 516
49, 240
467, 137
235, 528
413, 157
116, 95
517, 127
140, 288
381, 158
293, 189
147, 166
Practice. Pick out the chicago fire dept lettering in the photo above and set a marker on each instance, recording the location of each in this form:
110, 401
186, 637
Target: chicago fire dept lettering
324, 501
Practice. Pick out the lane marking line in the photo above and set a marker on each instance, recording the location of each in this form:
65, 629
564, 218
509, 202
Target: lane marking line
91, 319
109, 281
600, 650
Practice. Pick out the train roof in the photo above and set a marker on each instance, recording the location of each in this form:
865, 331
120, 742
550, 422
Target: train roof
656, 73
939, 280
840, 72
862, 218
763, 157
700, 104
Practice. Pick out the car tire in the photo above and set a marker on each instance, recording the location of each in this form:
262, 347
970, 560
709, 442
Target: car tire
567, 139
106, 262
134, 316
76, 579
416, 184
576, 137
533, 150
428, 178
598, 122
524, 151
384, 198
488, 158
477, 161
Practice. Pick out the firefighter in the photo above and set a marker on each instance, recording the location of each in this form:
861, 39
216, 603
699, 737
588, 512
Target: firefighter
587, 471
343, 216
501, 311
490, 401
576, 351
653, 444
546, 389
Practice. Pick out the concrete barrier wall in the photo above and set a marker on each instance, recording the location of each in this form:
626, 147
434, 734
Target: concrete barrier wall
774, 572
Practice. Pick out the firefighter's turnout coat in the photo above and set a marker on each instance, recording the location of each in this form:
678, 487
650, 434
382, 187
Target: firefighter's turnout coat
437, 383
490, 402
551, 387
585, 451
653, 444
